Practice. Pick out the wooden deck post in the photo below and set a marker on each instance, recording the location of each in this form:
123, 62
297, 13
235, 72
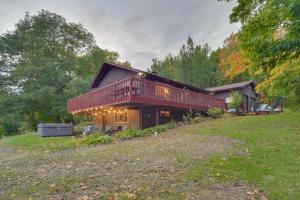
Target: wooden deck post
157, 116
130, 88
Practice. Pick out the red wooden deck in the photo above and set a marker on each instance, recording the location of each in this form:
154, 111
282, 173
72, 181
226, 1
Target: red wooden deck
135, 90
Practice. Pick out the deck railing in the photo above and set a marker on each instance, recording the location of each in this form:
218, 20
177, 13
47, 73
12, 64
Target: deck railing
136, 90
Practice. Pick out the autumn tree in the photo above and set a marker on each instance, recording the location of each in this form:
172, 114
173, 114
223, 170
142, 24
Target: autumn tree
270, 36
232, 60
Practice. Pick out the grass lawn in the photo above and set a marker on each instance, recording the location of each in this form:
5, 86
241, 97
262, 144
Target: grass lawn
33, 142
272, 147
215, 159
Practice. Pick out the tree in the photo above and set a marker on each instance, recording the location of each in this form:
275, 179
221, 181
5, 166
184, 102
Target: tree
232, 60
44, 62
193, 65
236, 100
269, 36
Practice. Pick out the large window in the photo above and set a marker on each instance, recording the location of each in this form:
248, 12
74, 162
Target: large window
164, 113
121, 117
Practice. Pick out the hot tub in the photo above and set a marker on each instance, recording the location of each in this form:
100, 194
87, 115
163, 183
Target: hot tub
54, 130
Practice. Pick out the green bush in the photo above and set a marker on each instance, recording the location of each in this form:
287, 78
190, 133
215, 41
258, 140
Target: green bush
214, 113
187, 117
196, 120
236, 101
9, 127
129, 133
96, 139
159, 128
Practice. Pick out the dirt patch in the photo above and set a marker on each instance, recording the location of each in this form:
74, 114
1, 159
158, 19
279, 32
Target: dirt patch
145, 167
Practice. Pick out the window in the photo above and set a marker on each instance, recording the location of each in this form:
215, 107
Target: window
121, 117
164, 113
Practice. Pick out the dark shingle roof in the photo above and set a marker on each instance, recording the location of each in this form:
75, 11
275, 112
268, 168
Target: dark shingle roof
153, 76
230, 86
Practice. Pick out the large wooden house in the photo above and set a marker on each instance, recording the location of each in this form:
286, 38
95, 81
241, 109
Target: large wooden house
123, 97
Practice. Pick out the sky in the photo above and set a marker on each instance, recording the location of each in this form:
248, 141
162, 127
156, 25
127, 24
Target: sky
139, 30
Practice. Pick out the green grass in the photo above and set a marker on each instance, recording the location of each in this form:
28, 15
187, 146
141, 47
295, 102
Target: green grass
33, 142
271, 153
267, 156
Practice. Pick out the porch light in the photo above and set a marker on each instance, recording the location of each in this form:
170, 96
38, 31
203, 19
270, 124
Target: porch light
141, 74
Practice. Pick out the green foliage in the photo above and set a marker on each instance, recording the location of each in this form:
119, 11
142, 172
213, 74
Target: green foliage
9, 126
197, 119
193, 65
214, 112
269, 36
268, 153
33, 142
131, 133
196, 173
188, 117
95, 139
235, 101
44, 62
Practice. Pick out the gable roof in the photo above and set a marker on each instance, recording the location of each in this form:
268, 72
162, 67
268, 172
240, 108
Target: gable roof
232, 86
108, 65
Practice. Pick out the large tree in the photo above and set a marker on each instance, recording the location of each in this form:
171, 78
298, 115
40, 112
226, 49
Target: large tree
270, 36
43, 62
193, 65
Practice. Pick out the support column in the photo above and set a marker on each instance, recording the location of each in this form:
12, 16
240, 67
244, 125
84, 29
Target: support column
157, 116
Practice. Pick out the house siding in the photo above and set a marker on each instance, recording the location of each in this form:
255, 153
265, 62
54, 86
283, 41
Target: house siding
133, 120
113, 75
247, 93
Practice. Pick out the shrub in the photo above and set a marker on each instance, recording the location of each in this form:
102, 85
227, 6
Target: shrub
159, 128
214, 112
187, 117
236, 100
9, 127
96, 139
196, 119
129, 133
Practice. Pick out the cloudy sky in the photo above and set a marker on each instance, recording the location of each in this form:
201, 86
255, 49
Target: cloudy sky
138, 29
